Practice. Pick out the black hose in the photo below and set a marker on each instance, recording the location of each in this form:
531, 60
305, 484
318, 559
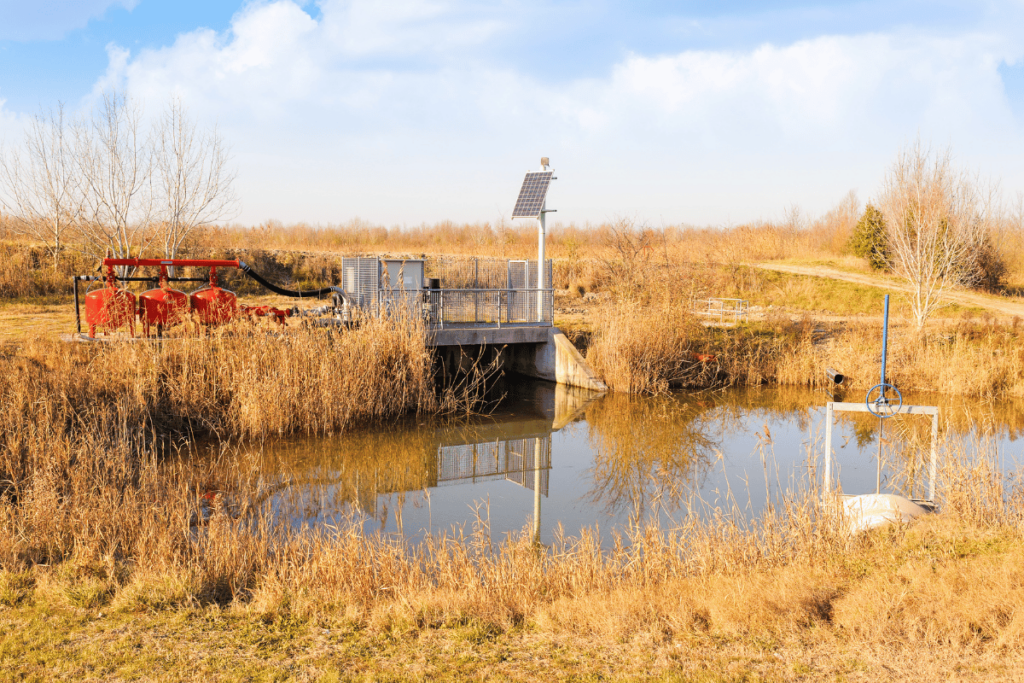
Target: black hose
297, 294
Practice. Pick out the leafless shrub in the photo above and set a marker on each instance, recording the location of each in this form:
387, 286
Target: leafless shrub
630, 254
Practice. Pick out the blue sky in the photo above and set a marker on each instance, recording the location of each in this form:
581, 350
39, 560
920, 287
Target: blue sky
423, 110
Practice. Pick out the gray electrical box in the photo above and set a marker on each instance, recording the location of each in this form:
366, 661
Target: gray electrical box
399, 274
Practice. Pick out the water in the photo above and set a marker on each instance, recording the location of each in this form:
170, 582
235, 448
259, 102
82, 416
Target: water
605, 462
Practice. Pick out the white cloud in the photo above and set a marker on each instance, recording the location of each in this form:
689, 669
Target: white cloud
402, 27
385, 114
51, 19
814, 88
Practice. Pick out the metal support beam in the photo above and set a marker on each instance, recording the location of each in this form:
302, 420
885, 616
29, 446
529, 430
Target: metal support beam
536, 491
541, 236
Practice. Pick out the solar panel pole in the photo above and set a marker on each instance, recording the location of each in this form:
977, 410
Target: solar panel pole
536, 489
541, 230
532, 203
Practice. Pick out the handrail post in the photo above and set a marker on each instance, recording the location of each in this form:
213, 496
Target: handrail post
933, 465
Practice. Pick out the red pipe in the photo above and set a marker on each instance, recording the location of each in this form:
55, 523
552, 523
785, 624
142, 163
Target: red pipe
141, 262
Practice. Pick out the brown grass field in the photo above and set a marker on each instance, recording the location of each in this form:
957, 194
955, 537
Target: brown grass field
113, 565
107, 576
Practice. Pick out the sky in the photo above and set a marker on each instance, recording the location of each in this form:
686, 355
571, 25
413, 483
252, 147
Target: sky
402, 112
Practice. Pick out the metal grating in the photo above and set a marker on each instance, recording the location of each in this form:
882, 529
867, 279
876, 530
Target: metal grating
728, 311
472, 273
360, 277
522, 304
473, 291
532, 194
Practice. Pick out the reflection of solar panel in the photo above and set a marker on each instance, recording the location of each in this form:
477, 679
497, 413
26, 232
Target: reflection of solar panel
531, 197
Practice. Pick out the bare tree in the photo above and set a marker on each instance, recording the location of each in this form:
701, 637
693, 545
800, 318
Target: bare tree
935, 227
833, 230
39, 186
115, 167
192, 178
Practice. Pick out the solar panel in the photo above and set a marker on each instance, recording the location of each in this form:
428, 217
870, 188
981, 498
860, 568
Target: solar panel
531, 197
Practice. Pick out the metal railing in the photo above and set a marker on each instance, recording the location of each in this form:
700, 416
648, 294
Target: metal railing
725, 310
477, 273
516, 460
489, 306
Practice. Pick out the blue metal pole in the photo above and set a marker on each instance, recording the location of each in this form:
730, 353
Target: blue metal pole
885, 341
885, 352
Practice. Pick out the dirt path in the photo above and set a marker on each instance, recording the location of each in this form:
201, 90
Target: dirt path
1001, 305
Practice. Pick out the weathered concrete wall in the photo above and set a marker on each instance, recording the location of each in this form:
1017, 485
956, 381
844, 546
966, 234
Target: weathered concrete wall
555, 360
544, 353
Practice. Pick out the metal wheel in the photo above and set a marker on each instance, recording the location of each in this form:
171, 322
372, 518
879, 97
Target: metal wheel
883, 407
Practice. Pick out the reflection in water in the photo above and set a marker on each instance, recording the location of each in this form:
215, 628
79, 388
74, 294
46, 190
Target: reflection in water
384, 475
605, 462
483, 452
646, 451
513, 460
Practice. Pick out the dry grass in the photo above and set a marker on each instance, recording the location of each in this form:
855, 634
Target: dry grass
117, 529
965, 358
27, 272
648, 341
238, 380
761, 240
103, 505
100, 513
642, 344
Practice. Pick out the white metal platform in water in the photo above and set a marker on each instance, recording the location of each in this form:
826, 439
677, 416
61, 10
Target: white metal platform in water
830, 410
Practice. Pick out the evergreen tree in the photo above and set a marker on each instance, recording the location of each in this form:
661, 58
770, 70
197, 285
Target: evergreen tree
869, 240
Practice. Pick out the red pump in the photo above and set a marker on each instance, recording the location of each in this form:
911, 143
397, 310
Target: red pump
163, 306
110, 306
113, 307
214, 305
276, 314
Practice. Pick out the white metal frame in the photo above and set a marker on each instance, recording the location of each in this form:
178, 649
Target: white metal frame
738, 309
830, 411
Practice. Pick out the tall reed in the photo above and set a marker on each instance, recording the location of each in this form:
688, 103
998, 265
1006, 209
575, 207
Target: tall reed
137, 534
965, 359
238, 380
643, 339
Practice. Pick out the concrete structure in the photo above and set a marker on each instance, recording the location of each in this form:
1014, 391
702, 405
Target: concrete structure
497, 316
556, 360
486, 335
539, 351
